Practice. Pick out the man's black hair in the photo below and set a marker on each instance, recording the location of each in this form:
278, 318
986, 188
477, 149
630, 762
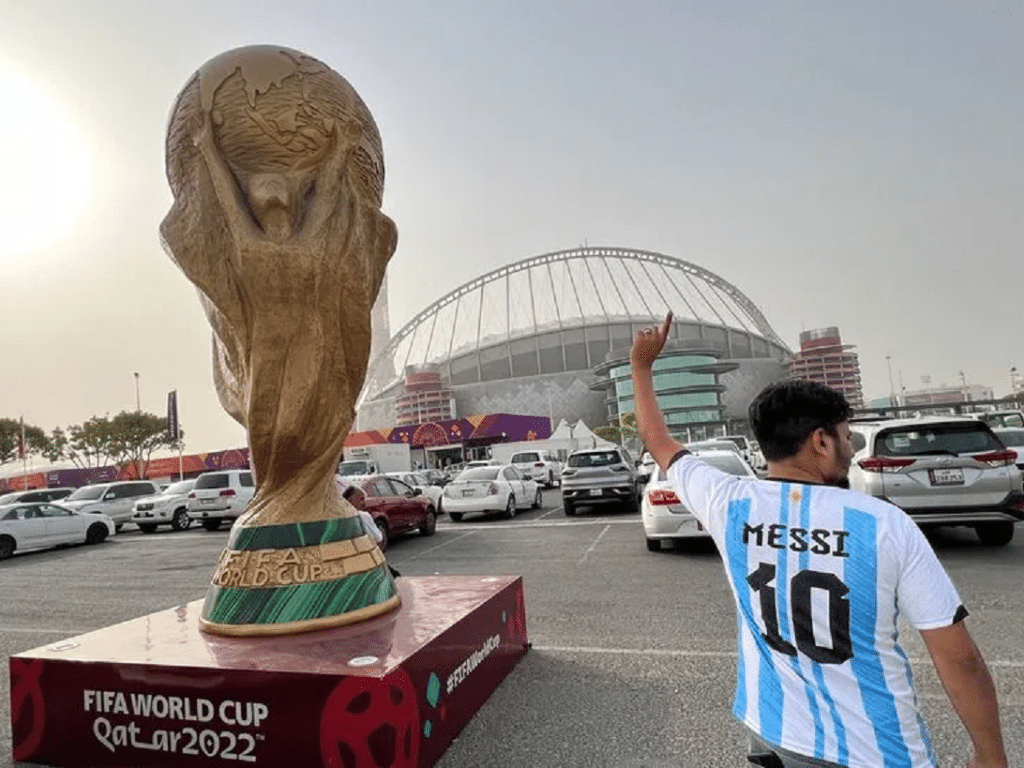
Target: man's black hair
785, 414
349, 492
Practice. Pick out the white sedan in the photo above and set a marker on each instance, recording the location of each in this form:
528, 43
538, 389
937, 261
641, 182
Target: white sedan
501, 488
43, 525
665, 517
418, 481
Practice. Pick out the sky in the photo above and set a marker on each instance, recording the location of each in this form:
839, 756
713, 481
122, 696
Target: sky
853, 164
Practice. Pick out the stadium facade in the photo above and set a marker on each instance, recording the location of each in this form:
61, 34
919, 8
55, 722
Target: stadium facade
550, 335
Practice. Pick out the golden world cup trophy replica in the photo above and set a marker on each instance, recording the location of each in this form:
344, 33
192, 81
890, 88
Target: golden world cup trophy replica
277, 172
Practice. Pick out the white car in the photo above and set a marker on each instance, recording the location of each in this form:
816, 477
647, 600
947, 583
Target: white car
666, 518
422, 484
169, 507
219, 496
43, 525
501, 488
542, 466
645, 471
112, 499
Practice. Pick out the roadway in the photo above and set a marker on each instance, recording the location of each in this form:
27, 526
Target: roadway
633, 654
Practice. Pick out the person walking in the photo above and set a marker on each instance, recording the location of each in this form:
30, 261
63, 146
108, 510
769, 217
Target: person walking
821, 575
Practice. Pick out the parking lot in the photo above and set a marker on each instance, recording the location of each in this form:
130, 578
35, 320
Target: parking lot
633, 652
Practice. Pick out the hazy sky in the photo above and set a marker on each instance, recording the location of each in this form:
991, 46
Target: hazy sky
854, 164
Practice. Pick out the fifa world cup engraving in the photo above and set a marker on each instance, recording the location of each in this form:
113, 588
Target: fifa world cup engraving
277, 172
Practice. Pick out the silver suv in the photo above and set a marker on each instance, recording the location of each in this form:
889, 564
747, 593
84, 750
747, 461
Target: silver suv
940, 471
220, 496
600, 476
115, 500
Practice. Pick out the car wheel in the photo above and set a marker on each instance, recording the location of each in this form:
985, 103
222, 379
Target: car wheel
97, 533
654, 545
118, 527
382, 526
147, 527
570, 509
429, 525
181, 521
510, 508
211, 523
551, 480
7, 546
995, 534
538, 499
455, 516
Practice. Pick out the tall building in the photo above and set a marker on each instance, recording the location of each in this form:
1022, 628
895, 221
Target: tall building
824, 358
425, 398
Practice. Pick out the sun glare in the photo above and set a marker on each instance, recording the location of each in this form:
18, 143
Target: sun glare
44, 167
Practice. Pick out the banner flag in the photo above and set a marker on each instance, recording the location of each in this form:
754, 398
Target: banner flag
172, 415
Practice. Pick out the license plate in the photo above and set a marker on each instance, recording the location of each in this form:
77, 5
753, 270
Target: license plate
207, 501
946, 476
595, 491
468, 492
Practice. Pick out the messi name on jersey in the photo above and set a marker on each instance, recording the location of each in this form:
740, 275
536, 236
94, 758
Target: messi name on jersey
819, 541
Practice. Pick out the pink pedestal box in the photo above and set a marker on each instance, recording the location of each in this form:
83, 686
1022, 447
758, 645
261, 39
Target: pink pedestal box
391, 692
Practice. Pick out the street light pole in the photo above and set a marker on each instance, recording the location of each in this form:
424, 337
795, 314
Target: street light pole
892, 389
138, 401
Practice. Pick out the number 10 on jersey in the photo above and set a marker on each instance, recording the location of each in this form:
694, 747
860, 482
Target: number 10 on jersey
801, 609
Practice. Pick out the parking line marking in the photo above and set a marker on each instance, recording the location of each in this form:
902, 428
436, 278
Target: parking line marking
31, 631
533, 524
669, 652
436, 546
596, 542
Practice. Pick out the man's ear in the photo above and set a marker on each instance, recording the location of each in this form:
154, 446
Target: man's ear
820, 442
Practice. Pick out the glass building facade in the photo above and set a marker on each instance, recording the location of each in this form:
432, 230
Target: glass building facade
686, 384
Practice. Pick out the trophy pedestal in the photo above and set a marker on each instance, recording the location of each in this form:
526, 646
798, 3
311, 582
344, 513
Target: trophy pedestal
392, 691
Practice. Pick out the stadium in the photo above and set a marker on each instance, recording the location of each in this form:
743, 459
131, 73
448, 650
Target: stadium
549, 335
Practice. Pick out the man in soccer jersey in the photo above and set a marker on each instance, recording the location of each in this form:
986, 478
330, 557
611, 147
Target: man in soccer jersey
821, 576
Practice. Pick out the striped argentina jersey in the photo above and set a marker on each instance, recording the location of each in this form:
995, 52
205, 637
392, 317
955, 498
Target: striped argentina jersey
821, 576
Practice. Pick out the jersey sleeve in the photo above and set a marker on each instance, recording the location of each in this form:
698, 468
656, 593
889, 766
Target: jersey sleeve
925, 594
698, 484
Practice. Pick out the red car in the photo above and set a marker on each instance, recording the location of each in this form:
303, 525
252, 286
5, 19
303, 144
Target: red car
397, 507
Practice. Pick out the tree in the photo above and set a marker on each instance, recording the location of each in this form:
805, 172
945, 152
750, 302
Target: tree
10, 436
88, 444
609, 432
135, 435
56, 446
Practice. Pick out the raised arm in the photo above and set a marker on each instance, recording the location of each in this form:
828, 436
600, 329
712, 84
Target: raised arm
968, 684
649, 420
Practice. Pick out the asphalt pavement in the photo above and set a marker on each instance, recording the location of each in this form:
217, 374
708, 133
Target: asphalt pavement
632, 662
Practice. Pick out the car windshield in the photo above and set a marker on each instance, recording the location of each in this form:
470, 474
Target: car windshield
87, 493
522, 458
479, 473
936, 440
601, 459
726, 462
349, 468
218, 480
178, 488
1012, 419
